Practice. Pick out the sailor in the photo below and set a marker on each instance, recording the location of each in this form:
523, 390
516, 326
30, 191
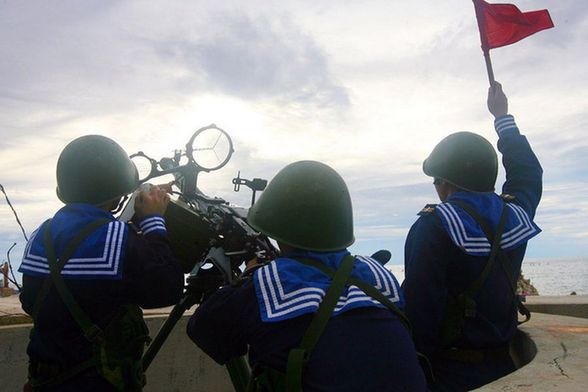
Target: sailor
316, 318
463, 257
85, 274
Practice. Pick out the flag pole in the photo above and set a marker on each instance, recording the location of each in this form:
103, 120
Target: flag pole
483, 39
489, 69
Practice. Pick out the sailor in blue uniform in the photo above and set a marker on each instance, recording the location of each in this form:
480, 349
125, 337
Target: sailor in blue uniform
463, 256
307, 319
85, 274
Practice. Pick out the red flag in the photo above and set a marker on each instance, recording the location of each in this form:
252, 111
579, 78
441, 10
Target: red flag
505, 24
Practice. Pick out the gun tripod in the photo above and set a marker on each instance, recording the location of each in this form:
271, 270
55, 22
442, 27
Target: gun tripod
198, 287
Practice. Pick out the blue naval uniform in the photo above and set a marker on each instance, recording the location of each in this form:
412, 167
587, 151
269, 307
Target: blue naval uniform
113, 267
446, 251
363, 347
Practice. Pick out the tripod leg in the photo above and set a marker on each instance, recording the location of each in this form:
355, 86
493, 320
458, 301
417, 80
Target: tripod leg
174, 316
239, 372
237, 367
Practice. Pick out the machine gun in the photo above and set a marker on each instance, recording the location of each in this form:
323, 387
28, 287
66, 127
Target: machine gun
210, 238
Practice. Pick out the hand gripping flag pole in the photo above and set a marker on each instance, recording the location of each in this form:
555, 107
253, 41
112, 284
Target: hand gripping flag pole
505, 24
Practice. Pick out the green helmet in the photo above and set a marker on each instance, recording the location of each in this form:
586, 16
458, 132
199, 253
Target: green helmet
94, 169
307, 206
466, 160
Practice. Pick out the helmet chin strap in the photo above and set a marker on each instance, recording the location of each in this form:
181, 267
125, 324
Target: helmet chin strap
120, 205
110, 206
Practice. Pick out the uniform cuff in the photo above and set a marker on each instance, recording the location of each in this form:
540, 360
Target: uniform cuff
153, 224
505, 125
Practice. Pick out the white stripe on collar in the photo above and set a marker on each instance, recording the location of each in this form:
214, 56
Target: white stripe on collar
105, 265
279, 304
524, 229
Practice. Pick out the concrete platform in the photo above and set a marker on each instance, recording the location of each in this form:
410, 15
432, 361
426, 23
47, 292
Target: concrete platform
565, 305
180, 365
11, 312
561, 360
555, 348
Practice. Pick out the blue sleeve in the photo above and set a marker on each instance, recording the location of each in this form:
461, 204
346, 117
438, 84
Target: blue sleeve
153, 276
217, 324
524, 175
425, 286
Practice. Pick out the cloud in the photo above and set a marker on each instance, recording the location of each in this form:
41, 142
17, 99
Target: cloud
367, 87
75, 59
251, 56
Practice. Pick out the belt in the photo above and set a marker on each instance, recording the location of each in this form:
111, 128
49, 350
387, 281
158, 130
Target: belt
46, 372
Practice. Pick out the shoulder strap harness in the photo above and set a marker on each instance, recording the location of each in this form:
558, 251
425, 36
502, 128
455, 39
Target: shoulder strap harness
270, 379
463, 306
121, 378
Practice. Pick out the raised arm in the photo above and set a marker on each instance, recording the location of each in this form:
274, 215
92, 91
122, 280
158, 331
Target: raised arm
154, 276
523, 170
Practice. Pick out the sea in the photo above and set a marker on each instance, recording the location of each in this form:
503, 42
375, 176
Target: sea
550, 276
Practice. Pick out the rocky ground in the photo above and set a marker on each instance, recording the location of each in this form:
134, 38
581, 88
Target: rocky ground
525, 287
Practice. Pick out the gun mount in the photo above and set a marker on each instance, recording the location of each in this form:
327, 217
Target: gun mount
198, 223
211, 238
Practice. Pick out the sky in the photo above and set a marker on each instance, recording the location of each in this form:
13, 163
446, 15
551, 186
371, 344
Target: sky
368, 87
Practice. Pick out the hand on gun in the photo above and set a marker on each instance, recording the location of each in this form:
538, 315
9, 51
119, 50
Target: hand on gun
251, 266
153, 200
